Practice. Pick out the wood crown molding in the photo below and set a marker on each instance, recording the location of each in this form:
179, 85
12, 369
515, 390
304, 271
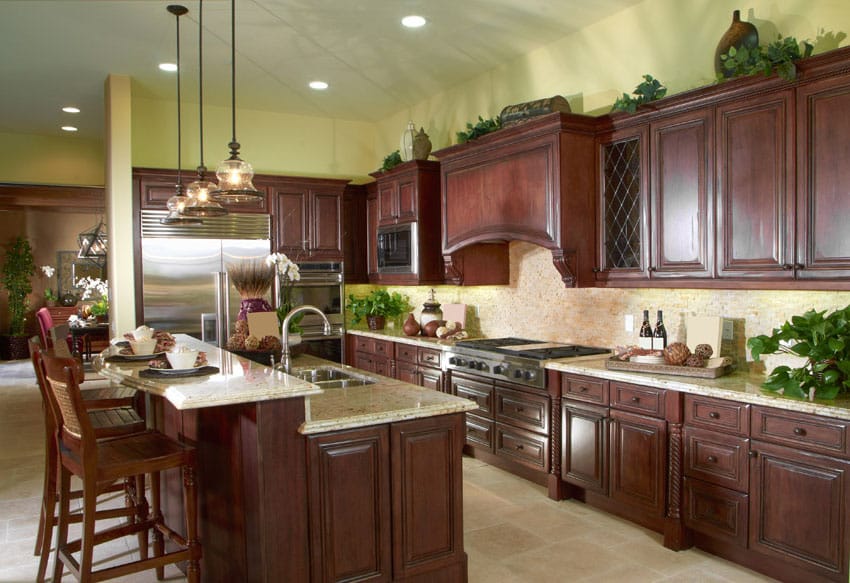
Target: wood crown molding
79, 199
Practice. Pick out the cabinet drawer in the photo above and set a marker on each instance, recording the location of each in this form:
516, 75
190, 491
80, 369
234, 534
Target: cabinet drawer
479, 432
384, 348
405, 352
522, 409
637, 398
585, 389
521, 446
718, 414
364, 344
429, 357
482, 395
819, 434
716, 512
717, 458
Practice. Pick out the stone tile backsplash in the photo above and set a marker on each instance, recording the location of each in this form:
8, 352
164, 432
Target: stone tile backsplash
536, 305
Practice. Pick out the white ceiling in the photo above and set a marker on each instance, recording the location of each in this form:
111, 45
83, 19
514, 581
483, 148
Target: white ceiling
59, 52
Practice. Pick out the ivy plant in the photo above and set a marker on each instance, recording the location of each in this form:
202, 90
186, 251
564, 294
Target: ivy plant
649, 90
482, 127
824, 341
778, 56
391, 161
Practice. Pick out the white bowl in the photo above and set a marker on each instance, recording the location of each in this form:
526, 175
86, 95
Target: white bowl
143, 346
183, 359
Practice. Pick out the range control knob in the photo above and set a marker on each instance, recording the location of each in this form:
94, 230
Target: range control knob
452, 360
498, 369
472, 364
529, 375
518, 374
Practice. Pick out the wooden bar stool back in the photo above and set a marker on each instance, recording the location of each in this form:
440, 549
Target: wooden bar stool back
107, 423
99, 463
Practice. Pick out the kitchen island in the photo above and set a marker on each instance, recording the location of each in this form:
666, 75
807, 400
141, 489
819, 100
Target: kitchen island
297, 483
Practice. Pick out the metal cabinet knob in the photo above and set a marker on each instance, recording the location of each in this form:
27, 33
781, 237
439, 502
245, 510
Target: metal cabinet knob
753, 454
714, 415
711, 459
635, 399
799, 431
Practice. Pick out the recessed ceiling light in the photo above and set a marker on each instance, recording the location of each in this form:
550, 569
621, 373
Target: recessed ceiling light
413, 21
319, 85
170, 67
69, 128
71, 109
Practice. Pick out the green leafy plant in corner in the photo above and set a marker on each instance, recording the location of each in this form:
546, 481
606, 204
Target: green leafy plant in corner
649, 90
391, 161
378, 302
778, 56
484, 126
824, 341
18, 268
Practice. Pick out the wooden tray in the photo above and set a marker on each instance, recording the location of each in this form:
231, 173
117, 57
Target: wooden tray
716, 367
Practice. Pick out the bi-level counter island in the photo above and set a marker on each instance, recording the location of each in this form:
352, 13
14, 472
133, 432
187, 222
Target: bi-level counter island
298, 483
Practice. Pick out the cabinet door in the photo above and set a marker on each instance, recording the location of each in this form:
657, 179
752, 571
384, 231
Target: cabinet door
755, 182
154, 190
823, 161
364, 361
388, 202
349, 506
290, 218
326, 223
798, 508
624, 212
638, 461
406, 371
382, 366
682, 181
406, 209
427, 487
354, 242
431, 378
584, 454
372, 237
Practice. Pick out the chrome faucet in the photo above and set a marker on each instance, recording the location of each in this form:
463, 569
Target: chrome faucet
286, 355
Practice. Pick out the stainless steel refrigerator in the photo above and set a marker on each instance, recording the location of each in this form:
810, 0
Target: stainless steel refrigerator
185, 287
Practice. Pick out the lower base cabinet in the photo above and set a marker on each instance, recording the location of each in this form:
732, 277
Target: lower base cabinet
386, 502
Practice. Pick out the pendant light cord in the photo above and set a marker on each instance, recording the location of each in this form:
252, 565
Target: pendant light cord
201, 168
179, 125
234, 145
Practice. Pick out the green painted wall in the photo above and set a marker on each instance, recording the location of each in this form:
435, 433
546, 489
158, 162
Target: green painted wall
51, 160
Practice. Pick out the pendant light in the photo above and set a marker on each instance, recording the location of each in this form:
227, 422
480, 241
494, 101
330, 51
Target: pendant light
93, 244
234, 174
177, 203
198, 191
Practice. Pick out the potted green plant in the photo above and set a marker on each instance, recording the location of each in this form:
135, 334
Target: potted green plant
18, 267
376, 307
824, 343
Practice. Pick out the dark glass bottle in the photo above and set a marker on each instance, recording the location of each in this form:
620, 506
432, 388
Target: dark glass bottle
660, 334
645, 334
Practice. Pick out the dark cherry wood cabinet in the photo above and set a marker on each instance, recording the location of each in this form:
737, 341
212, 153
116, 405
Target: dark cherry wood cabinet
584, 454
308, 219
354, 240
153, 187
418, 366
371, 354
372, 232
638, 461
409, 193
530, 182
823, 173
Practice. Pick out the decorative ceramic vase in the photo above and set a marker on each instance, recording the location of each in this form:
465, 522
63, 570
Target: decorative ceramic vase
421, 145
411, 326
376, 322
739, 34
252, 305
430, 311
69, 299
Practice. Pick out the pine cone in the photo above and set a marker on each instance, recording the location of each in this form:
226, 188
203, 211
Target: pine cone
242, 327
695, 360
252, 343
236, 342
704, 350
270, 343
676, 354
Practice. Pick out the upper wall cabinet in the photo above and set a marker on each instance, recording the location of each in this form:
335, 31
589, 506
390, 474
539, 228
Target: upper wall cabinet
154, 186
308, 218
531, 182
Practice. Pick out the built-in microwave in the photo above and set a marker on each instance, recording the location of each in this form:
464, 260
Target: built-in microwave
398, 248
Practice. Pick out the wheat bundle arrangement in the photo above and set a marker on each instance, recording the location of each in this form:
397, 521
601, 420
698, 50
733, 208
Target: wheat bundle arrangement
252, 279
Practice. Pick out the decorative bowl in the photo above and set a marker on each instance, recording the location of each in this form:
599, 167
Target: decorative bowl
146, 346
183, 359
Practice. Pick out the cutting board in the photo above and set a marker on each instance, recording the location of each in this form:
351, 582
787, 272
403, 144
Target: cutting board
455, 313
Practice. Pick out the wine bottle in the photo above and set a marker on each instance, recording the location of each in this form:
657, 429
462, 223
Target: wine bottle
645, 334
660, 334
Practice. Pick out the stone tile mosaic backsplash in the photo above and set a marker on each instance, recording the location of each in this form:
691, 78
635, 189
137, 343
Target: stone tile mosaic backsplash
537, 305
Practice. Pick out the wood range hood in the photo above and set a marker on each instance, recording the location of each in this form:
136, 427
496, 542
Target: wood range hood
533, 182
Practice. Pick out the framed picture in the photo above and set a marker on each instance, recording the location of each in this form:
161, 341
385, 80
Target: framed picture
70, 268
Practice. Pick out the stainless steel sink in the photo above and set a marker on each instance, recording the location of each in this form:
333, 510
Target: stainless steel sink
331, 377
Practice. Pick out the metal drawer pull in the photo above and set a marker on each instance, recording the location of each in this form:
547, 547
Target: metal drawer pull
473, 398
635, 399
753, 454
711, 459
799, 431
714, 415
519, 446
520, 409
583, 390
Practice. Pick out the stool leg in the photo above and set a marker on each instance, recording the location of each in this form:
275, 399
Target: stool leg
156, 511
62, 525
190, 500
89, 512
48, 510
142, 513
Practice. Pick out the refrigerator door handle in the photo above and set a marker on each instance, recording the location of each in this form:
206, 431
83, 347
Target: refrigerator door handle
222, 307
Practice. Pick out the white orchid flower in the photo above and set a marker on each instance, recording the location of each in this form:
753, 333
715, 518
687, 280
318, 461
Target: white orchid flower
48, 270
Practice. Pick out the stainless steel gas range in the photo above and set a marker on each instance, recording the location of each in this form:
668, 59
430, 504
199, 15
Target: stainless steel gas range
517, 360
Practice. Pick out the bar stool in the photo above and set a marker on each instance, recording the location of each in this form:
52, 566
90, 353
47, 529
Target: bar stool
107, 422
99, 463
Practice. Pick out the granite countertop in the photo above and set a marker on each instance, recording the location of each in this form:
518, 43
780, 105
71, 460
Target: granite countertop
740, 385
397, 335
243, 381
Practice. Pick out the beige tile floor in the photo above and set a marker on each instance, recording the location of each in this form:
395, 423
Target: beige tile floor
513, 532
